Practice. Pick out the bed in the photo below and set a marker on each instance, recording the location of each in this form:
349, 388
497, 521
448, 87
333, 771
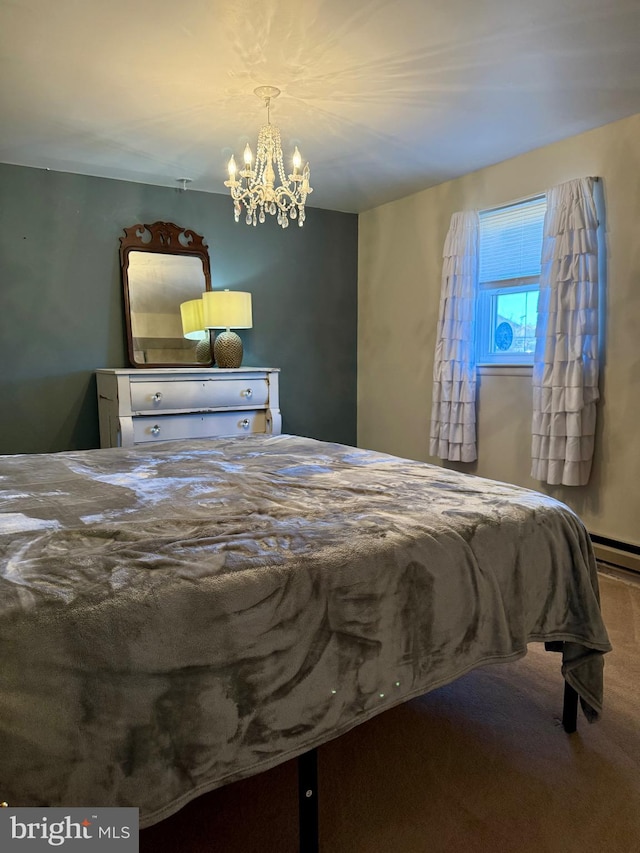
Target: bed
177, 616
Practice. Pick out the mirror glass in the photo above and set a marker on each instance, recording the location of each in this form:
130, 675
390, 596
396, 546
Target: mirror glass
162, 266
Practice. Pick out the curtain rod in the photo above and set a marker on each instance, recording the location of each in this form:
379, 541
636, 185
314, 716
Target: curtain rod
531, 197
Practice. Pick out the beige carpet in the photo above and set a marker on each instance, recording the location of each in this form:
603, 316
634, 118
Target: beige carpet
479, 766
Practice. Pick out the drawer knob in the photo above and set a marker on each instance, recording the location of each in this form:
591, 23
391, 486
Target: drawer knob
245, 423
247, 393
157, 397
155, 430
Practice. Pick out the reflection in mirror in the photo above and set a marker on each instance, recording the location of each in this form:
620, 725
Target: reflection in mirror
162, 266
161, 283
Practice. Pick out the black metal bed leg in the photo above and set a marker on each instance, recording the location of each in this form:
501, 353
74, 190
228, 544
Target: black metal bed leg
570, 709
308, 801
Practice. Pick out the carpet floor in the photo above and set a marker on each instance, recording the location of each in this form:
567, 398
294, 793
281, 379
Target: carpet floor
479, 766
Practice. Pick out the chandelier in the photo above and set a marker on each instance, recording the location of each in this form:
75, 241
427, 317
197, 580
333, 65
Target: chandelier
256, 188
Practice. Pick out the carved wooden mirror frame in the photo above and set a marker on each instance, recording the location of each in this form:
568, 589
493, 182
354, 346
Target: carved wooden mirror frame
163, 239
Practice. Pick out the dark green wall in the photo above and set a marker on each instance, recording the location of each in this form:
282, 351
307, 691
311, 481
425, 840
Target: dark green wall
61, 306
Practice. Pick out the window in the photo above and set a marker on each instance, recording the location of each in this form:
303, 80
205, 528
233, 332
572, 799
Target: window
509, 282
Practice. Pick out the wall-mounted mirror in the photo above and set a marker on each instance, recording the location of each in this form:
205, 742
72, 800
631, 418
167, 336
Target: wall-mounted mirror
163, 265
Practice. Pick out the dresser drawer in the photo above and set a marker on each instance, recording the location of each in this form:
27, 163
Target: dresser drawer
208, 425
163, 395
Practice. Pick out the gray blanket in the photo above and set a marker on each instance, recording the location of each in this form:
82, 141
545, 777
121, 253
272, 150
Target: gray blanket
178, 616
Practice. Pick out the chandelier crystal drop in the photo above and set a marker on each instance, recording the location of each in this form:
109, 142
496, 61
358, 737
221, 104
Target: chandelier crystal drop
256, 189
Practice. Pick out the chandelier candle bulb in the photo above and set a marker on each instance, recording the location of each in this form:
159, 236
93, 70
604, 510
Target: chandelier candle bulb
232, 167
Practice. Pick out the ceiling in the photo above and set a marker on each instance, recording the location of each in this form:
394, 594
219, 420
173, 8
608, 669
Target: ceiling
383, 98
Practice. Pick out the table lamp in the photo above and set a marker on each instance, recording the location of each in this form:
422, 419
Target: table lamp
227, 309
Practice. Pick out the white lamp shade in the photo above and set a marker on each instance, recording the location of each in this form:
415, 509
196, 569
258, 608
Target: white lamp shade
192, 320
227, 309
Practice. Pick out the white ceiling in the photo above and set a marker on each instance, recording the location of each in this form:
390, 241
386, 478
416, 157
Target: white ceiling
383, 98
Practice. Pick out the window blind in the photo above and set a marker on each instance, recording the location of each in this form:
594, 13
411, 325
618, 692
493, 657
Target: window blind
511, 239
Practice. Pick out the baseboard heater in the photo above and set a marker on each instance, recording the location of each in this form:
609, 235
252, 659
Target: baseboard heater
623, 555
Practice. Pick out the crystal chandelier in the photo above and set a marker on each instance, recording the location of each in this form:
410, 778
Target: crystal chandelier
256, 188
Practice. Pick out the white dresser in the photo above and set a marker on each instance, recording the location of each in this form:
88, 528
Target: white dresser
139, 405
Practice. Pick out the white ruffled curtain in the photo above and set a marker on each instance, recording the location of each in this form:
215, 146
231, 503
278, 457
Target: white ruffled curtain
453, 409
565, 372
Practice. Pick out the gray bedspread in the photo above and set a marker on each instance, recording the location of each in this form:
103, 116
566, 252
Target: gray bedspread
178, 616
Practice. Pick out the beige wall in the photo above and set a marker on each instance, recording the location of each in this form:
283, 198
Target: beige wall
400, 256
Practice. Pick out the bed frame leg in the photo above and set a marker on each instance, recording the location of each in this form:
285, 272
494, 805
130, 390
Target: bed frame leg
570, 709
308, 801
